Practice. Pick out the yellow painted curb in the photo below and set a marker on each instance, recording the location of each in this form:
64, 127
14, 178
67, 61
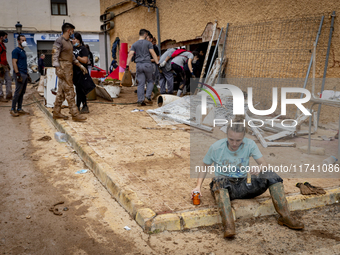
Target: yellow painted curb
144, 218
169, 221
205, 217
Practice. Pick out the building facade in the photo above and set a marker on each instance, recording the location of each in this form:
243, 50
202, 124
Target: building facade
41, 22
266, 39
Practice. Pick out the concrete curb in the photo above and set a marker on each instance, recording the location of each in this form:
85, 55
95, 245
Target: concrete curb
153, 223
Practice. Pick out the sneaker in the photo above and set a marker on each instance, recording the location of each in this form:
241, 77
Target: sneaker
141, 104
22, 112
148, 101
3, 100
84, 110
9, 97
14, 113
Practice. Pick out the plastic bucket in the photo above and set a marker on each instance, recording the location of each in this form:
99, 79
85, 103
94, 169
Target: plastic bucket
113, 90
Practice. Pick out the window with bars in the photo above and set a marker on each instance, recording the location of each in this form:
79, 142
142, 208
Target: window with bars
59, 7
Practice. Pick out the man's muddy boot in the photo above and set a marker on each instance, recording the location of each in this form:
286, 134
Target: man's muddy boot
14, 113
281, 206
148, 101
79, 118
224, 206
57, 114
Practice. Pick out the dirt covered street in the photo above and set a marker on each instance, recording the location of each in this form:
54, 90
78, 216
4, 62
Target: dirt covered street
35, 175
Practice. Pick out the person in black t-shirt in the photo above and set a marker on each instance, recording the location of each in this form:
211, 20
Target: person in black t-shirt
81, 54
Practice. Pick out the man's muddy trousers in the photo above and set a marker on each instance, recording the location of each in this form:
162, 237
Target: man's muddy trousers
65, 88
144, 75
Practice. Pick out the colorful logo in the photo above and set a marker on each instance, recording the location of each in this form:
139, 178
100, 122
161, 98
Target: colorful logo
238, 99
209, 93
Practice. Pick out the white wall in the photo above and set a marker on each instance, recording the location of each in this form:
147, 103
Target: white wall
102, 52
35, 15
10, 47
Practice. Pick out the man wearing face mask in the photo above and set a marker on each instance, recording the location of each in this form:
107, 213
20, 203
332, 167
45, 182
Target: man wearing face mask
63, 60
81, 53
19, 61
4, 69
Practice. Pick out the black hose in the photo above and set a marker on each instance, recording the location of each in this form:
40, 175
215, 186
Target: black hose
87, 102
110, 103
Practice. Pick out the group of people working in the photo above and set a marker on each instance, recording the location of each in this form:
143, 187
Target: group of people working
235, 150
151, 68
71, 62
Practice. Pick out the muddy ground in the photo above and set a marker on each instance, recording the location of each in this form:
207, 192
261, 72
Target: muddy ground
116, 135
37, 174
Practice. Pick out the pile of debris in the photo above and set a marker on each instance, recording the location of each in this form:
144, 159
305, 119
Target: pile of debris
284, 129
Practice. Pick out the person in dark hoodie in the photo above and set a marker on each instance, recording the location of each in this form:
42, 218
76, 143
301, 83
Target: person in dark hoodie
81, 54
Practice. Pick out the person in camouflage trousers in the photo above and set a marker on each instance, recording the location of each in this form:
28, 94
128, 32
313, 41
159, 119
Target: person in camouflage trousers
63, 60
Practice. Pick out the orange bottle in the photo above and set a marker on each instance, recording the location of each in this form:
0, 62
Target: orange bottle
197, 198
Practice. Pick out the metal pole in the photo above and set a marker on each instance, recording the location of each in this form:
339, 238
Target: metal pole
158, 31
222, 56
311, 58
106, 61
214, 53
311, 61
326, 63
339, 143
206, 58
313, 83
310, 130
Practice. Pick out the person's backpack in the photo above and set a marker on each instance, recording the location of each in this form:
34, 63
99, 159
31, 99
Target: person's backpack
177, 52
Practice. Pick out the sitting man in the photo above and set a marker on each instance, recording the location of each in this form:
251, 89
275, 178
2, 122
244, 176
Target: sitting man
231, 158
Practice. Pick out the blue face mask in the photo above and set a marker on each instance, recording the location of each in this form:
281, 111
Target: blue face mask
6, 40
76, 44
72, 36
